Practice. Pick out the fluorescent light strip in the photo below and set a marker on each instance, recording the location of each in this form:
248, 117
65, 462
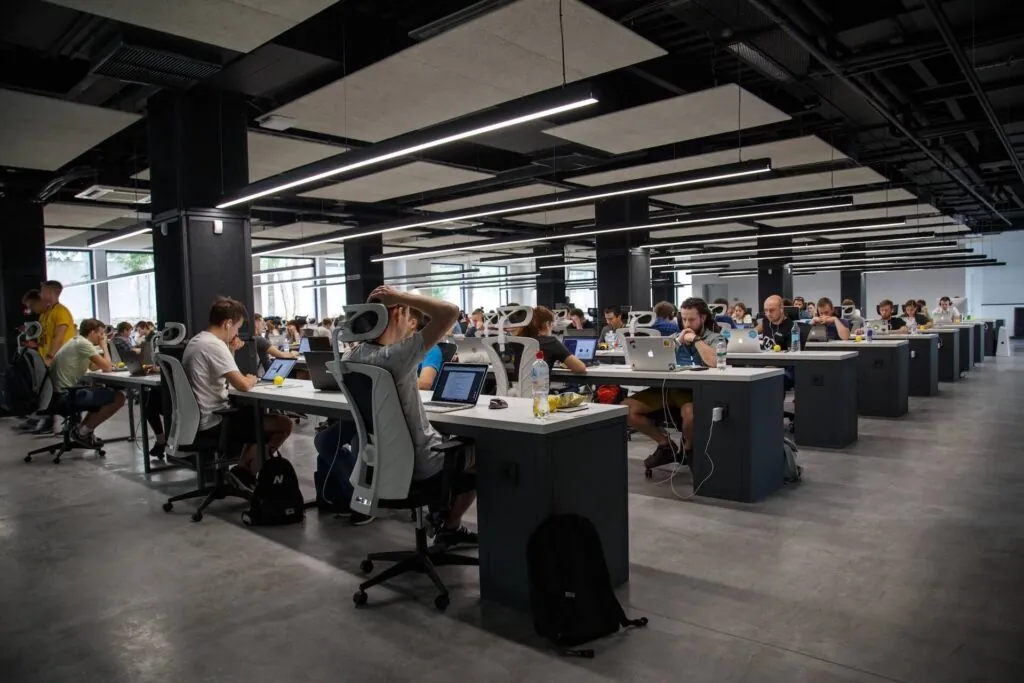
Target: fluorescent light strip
716, 258
578, 264
801, 247
896, 258
406, 151
795, 233
900, 266
123, 276
646, 226
117, 238
489, 262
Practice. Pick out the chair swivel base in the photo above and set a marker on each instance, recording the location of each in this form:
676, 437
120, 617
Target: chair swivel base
218, 491
60, 449
425, 560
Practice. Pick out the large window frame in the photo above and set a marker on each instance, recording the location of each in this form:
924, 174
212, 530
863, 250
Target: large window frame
284, 293
79, 299
143, 286
336, 294
584, 298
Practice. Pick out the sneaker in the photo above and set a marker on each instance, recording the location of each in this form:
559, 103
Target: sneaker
450, 538
662, 455
85, 440
157, 451
26, 425
240, 478
43, 426
359, 519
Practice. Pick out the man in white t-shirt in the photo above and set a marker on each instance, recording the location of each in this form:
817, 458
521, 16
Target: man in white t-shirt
209, 363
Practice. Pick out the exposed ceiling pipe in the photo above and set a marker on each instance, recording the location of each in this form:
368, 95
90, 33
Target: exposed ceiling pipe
808, 43
942, 23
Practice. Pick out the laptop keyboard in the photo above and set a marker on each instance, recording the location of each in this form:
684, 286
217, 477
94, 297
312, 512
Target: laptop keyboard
443, 404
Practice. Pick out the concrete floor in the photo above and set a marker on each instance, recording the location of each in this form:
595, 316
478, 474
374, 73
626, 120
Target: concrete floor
901, 559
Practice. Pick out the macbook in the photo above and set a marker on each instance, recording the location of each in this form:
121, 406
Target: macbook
744, 341
316, 364
280, 366
583, 348
652, 354
457, 388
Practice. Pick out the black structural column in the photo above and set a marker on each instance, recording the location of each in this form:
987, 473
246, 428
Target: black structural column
551, 282
623, 269
362, 275
774, 275
22, 267
198, 153
664, 290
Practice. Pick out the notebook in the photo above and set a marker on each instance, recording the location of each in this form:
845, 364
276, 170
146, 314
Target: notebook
457, 388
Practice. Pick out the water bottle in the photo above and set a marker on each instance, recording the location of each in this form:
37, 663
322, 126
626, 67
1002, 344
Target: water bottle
720, 350
794, 339
870, 334
539, 378
609, 339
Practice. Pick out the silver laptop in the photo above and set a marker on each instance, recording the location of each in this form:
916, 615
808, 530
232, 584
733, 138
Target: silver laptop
652, 354
744, 341
877, 326
457, 387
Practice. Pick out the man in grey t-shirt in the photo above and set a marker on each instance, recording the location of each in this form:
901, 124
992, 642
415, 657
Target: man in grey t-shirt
400, 354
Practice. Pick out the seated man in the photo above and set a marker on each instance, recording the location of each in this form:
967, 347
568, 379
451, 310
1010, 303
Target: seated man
475, 327
265, 350
696, 347
400, 353
723, 317
946, 312
922, 309
665, 323
209, 364
613, 322
72, 362
912, 313
835, 328
778, 330
886, 308
122, 339
579, 320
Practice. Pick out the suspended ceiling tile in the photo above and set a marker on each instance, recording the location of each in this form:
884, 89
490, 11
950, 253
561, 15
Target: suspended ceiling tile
882, 196
775, 186
55, 235
298, 231
687, 117
784, 153
692, 231
569, 214
419, 176
513, 51
86, 216
895, 212
240, 25
45, 133
521, 192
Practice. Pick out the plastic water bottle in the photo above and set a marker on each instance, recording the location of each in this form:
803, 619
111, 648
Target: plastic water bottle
870, 334
794, 339
720, 350
609, 339
539, 378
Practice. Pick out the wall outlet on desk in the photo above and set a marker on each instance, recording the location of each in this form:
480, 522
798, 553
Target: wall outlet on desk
718, 413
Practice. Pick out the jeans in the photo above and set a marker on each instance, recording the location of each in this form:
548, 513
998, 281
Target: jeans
328, 443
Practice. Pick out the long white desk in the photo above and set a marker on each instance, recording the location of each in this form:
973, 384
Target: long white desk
142, 383
883, 367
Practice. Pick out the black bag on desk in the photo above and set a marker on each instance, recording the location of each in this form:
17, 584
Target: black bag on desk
276, 498
571, 595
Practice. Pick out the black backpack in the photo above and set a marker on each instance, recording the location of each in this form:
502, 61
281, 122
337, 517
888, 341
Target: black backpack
276, 498
570, 589
20, 393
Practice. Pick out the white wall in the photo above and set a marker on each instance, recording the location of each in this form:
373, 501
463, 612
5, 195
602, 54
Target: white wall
813, 287
898, 286
995, 292
740, 288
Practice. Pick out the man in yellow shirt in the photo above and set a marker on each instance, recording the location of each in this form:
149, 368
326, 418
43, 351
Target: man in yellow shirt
57, 321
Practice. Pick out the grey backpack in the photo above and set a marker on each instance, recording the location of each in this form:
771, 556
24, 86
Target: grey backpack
791, 472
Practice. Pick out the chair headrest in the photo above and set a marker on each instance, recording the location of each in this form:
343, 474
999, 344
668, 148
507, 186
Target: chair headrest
717, 309
363, 322
32, 331
172, 334
641, 318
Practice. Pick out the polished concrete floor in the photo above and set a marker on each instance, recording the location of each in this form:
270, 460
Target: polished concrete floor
900, 559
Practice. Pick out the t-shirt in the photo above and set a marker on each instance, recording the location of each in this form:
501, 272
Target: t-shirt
778, 333
605, 330
51, 319
901, 322
72, 361
553, 350
401, 360
433, 359
263, 352
206, 360
123, 345
667, 328
687, 354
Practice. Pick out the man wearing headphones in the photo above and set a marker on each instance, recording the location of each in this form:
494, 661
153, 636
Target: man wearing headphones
696, 347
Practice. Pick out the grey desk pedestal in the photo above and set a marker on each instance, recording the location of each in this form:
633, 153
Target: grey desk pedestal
924, 365
979, 343
882, 375
826, 396
949, 354
966, 348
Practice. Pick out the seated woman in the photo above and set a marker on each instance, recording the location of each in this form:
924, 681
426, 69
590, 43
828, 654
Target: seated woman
540, 329
739, 314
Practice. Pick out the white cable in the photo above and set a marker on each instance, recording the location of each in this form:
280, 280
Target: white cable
337, 452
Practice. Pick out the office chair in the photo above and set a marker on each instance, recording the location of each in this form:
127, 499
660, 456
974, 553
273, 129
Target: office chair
205, 453
448, 351
62, 403
384, 468
519, 348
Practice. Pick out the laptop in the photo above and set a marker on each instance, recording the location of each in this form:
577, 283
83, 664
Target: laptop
316, 364
585, 332
818, 333
280, 366
457, 388
877, 326
744, 341
133, 364
584, 348
652, 354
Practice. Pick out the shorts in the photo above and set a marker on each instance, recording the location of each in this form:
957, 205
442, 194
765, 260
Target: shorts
94, 399
241, 427
431, 486
655, 399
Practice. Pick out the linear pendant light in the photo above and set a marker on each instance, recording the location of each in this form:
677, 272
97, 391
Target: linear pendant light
638, 186
517, 259
907, 258
722, 217
825, 252
573, 264
792, 233
350, 161
902, 266
98, 242
926, 238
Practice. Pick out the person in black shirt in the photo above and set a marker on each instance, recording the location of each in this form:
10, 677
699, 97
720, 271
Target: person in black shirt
539, 328
264, 349
911, 311
896, 325
777, 329
579, 320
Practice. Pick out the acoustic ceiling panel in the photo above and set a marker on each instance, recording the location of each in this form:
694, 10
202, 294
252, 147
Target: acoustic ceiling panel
240, 25
694, 231
419, 176
861, 215
882, 196
569, 214
56, 235
298, 231
45, 133
687, 117
510, 52
85, 216
775, 186
521, 192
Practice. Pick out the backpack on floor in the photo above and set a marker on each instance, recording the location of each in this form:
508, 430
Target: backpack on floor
276, 498
571, 595
791, 472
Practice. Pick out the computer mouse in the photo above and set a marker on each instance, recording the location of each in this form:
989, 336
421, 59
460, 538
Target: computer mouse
497, 404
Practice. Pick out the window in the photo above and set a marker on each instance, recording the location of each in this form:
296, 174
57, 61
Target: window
285, 299
68, 267
684, 286
452, 292
335, 289
491, 296
130, 298
583, 297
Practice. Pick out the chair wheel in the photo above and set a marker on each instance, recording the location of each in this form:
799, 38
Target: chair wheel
168, 507
56, 461
297, 420
366, 566
28, 458
197, 516
441, 602
360, 598
648, 474
101, 453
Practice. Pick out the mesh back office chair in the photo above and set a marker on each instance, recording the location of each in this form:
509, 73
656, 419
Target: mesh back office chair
382, 477
205, 453
63, 404
448, 351
502, 348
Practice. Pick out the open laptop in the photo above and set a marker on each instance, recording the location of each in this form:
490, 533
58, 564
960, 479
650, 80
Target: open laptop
877, 326
133, 364
585, 332
307, 344
818, 333
316, 364
744, 341
280, 366
584, 348
457, 388
652, 354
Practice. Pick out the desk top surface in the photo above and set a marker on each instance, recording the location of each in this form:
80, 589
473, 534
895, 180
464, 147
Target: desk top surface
124, 378
883, 343
969, 323
624, 374
518, 417
805, 355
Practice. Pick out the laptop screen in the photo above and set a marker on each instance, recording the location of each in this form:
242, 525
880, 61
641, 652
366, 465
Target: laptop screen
585, 348
460, 382
304, 345
281, 366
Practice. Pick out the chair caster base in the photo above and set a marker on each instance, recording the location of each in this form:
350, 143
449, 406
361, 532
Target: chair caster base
197, 516
360, 598
441, 602
366, 566
168, 507
648, 473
